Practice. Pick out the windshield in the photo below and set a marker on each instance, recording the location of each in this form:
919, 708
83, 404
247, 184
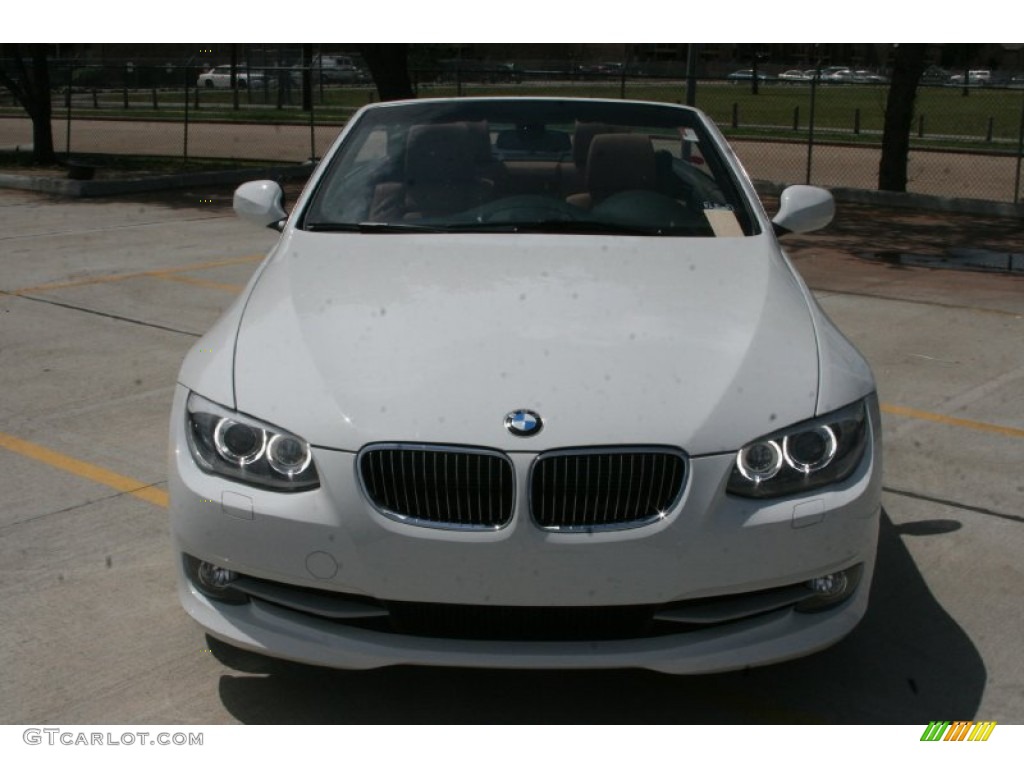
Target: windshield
530, 165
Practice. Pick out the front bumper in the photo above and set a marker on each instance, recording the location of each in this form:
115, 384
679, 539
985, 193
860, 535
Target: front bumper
272, 631
709, 545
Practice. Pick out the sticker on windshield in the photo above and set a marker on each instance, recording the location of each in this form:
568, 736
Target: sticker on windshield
722, 219
690, 135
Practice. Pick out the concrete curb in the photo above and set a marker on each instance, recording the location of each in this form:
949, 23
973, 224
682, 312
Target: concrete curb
913, 200
110, 187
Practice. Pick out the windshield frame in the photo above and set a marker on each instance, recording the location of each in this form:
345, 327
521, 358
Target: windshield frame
718, 157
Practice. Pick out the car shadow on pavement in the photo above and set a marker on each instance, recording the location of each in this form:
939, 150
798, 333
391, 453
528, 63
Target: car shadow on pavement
867, 229
907, 662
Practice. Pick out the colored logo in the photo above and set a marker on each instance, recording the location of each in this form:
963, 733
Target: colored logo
523, 423
958, 730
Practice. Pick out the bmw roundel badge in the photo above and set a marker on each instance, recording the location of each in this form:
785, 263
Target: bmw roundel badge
523, 423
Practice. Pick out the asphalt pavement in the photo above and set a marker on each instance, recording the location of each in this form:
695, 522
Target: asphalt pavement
100, 300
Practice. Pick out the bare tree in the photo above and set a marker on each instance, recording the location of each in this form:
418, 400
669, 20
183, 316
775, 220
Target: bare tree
29, 82
908, 66
389, 67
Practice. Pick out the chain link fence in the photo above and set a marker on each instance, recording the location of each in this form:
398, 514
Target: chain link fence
967, 142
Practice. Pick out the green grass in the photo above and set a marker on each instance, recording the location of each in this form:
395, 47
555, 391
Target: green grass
946, 112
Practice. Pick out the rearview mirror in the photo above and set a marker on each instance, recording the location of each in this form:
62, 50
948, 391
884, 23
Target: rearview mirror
261, 202
803, 209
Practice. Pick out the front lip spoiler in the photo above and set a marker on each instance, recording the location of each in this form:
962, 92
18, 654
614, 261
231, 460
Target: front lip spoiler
768, 639
391, 617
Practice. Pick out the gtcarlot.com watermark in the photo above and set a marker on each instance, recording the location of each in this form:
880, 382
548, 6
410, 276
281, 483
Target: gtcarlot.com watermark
69, 738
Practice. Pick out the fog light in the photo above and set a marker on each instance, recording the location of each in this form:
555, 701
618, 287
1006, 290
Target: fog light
214, 577
830, 590
213, 580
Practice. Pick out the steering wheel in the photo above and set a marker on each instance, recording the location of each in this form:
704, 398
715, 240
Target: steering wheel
526, 208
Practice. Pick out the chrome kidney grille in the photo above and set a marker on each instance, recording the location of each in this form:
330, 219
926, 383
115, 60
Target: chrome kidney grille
474, 488
439, 486
605, 488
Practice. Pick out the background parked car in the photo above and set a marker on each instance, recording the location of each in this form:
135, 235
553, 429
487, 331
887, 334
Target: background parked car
477, 71
935, 76
866, 76
974, 77
837, 75
796, 76
745, 75
338, 69
220, 77
600, 70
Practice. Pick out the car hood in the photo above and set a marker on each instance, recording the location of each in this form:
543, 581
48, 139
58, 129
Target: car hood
703, 343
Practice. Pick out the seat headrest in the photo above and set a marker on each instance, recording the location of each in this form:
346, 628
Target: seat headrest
581, 139
618, 162
439, 153
480, 137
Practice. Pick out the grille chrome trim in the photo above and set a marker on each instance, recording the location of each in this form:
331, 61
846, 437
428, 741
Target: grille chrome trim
432, 486
634, 495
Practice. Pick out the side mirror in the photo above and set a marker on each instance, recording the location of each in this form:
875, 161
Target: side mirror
261, 202
803, 209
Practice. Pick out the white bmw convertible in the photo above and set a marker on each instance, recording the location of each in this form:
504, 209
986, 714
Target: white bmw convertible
527, 383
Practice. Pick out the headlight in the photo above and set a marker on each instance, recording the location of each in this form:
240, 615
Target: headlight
802, 457
226, 443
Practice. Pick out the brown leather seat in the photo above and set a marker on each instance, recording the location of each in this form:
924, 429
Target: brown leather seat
617, 162
573, 174
441, 175
488, 166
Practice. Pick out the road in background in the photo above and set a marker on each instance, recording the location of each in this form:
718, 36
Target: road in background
100, 300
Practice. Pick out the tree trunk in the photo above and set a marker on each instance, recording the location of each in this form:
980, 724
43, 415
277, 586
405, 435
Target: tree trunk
908, 66
307, 77
31, 87
234, 76
389, 67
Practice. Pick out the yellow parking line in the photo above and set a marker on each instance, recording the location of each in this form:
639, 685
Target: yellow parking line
952, 421
132, 275
96, 474
188, 280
